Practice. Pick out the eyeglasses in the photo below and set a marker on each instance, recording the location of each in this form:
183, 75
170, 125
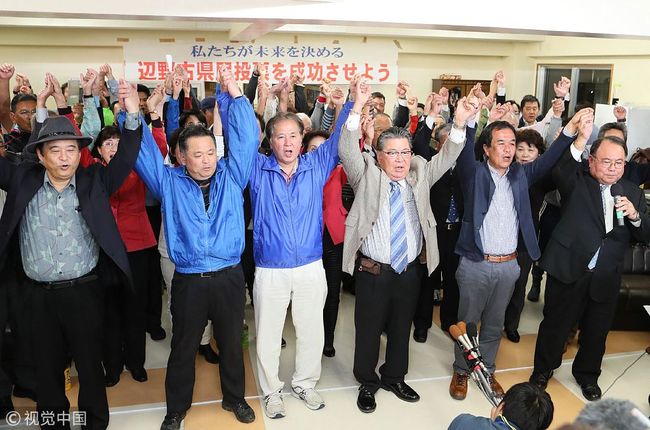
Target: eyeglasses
196, 124
607, 163
407, 153
110, 143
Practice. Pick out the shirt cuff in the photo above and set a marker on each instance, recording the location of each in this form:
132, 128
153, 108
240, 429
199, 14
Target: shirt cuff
430, 120
501, 91
402, 102
576, 153
41, 114
132, 121
636, 223
566, 133
353, 121
457, 136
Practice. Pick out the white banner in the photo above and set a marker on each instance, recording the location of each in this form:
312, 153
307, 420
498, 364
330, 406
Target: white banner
376, 60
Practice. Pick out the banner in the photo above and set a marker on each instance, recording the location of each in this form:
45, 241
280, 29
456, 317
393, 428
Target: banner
317, 60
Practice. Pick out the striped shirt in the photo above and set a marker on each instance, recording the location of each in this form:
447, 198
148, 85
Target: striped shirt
377, 244
500, 228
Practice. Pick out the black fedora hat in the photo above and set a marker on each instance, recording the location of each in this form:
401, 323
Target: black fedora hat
57, 128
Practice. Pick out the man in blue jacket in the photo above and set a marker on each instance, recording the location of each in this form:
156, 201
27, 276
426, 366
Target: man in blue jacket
203, 210
497, 212
287, 197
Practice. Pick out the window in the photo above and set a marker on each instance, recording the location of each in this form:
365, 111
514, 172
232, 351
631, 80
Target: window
589, 84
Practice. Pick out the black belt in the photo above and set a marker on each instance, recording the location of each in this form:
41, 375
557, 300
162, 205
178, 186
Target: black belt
57, 285
206, 274
452, 225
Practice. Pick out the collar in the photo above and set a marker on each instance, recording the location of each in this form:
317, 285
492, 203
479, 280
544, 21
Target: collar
494, 171
72, 183
503, 422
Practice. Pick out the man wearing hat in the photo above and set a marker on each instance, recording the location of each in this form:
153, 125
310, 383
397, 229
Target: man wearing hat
58, 227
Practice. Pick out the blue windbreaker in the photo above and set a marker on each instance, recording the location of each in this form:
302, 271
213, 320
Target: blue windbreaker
198, 241
288, 217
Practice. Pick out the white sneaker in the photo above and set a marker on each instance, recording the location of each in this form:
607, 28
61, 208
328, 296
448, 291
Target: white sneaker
312, 399
274, 405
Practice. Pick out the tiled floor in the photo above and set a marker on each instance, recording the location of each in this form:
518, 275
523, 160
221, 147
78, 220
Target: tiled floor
136, 406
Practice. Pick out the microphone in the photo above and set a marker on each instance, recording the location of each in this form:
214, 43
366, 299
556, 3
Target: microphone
472, 332
457, 334
617, 191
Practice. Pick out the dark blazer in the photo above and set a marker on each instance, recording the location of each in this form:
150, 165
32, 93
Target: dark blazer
581, 231
448, 185
478, 188
94, 186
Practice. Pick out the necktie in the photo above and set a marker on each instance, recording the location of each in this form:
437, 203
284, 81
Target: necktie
594, 259
398, 246
452, 215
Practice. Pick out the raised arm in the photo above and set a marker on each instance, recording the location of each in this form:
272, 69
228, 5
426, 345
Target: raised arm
348, 142
6, 72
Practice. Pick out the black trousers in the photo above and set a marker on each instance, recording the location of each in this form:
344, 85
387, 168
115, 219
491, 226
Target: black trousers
385, 301
154, 280
248, 262
195, 299
516, 305
68, 322
20, 319
565, 303
333, 263
126, 315
5, 381
444, 278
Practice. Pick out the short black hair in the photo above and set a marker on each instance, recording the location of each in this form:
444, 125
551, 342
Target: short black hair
421, 105
185, 116
532, 138
613, 126
528, 407
144, 89
613, 139
193, 131
512, 102
378, 95
495, 126
107, 132
309, 136
529, 98
281, 116
21, 97
173, 143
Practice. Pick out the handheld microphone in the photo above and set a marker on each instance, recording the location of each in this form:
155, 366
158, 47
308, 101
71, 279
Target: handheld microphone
617, 192
472, 332
457, 334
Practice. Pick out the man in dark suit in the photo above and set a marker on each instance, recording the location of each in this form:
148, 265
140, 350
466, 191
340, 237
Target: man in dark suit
584, 258
497, 211
447, 206
58, 226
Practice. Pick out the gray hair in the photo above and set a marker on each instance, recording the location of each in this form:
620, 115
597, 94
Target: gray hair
611, 414
438, 132
393, 133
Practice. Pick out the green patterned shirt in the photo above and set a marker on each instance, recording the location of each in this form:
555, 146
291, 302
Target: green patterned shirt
55, 242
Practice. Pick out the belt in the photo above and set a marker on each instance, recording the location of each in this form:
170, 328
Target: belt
452, 226
205, 274
57, 285
500, 258
389, 268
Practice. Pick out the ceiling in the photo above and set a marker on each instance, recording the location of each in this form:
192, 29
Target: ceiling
248, 19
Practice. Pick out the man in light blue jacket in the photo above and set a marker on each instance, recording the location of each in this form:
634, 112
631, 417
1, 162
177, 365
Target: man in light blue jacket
202, 204
287, 196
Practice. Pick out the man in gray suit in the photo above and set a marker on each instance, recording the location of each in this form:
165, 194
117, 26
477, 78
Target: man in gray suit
389, 225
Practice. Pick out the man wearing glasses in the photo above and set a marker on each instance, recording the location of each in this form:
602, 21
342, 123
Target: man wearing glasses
388, 228
601, 213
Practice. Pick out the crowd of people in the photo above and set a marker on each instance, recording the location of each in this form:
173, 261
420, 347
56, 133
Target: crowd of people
265, 191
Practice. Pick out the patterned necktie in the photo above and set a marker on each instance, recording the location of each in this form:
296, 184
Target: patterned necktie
398, 246
594, 259
452, 215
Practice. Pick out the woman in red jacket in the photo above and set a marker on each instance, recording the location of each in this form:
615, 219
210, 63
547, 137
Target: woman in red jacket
126, 308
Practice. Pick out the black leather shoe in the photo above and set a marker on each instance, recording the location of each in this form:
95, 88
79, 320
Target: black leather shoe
172, 422
208, 353
420, 335
540, 379
366, 400
6, 406
513, 336
111, 379
533, 294
329, 351
20, 391
139, 374
157, 333
243, 412
591, 392
402, 391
